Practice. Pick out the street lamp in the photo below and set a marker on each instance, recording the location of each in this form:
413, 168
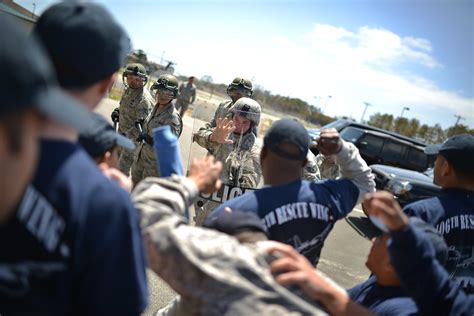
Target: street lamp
367, 104
403, 110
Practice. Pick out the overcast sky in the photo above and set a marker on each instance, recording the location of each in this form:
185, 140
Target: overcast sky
391, 54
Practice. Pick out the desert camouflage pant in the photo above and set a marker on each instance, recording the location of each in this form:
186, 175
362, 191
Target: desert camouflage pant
182, 106
126, 160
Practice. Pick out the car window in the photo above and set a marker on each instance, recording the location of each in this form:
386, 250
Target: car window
417, 159
351, 134
393, 152
371, 145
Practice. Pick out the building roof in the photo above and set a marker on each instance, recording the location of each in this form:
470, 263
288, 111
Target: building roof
7, 7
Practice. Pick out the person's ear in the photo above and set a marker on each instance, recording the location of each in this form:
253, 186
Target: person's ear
106, 84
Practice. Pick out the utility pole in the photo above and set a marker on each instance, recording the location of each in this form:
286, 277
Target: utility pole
367, 104
34, 8
403, 110
459, 117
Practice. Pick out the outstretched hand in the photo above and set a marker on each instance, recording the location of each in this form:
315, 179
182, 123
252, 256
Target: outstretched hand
116, 175
205, 172
383, 205
221, 132
329, 142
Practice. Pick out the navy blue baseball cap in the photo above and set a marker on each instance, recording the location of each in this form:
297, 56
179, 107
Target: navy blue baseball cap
287, 131
84, 42
101, 137
233, 223
28, 80
458, 150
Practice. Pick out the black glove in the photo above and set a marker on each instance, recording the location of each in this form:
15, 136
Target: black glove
115, 115
148, 139
139, 122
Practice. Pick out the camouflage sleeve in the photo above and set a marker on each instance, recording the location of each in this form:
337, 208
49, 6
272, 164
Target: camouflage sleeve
247, 172
176, 125
194, 95
202, 135
311, 170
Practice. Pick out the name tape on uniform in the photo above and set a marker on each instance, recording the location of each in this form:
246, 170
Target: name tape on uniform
225, 193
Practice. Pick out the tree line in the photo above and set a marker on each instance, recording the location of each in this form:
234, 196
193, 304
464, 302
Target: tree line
312, 114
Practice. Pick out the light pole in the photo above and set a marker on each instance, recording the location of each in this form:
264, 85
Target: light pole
403, 110
367, 104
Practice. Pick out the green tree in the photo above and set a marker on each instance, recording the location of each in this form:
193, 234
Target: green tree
400, 125
458, 129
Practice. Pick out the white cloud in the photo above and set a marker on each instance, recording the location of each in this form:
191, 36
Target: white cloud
369, 65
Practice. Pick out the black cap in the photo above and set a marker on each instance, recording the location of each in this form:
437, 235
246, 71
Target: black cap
287, 131
28, 80
435, 238
84, 42
236, 222
102, 137
458, 150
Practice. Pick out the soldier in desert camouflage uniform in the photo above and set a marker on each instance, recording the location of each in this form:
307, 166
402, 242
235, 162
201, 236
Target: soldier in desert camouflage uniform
328, 168
136, 103
187, 95
238, 88
213, 272
233, 142
164, 113
311, 169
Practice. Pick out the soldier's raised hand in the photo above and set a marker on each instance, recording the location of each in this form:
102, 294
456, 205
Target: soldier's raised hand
206, 173
221, 132
329, 142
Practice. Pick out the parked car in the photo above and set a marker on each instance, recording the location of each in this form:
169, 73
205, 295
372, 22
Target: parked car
378, 146
406, 185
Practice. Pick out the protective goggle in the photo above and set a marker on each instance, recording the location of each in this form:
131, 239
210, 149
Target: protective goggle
238, 91
241, 84
163, 92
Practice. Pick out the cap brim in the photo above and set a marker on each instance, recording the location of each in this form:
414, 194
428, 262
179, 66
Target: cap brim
432, 149
124, 142
57, 105
364, 227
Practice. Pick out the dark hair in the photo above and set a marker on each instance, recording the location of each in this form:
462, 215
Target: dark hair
463, 171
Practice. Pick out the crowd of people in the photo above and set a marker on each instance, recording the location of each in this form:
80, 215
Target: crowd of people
84, 211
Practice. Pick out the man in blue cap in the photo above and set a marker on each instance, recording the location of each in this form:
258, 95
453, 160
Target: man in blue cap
452, 213
103, 143
299, 212
78, 236
29, 94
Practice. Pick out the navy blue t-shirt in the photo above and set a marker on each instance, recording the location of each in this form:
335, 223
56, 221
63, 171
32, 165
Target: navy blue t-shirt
74, 247
300, 213
452, 213
383, 300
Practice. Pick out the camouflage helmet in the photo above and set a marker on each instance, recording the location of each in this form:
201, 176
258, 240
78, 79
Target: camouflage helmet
135, 69
248, 108
241, 83
168, 82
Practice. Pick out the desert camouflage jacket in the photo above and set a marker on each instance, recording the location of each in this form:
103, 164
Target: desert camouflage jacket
212, 271
135, 104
